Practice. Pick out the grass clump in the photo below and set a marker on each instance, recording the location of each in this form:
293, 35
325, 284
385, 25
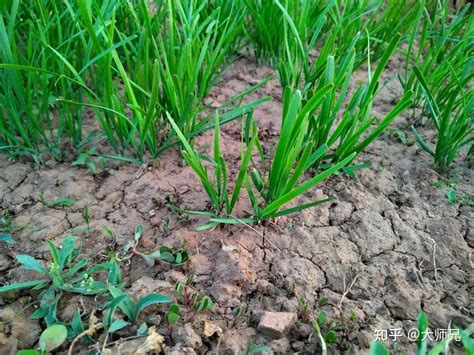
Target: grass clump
216, 187
294, 155
314, 134
372, 23
192, 50
346, 127
32, 79
453, 121
349, 129
440, 73
442, 47
129, 307
320, 28
265, 20
122, 63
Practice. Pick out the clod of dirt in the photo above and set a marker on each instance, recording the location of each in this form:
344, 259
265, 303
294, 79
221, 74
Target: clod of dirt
5, 262
340, 212
234, 268
303, 331
147, 242
235, 341
280, 346
146, 285
200, 265
297, 346
187, 337
13, 323
226, 295
276, 324
302, 272
372, 233
178, 349
469, 237
364, 339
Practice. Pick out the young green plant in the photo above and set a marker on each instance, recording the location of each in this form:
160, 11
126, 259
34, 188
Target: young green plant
129, 307
326, 332
294, 156
216, 187
443, 49
120, 62
441, 347
346, 129
453, 121
265, 18
63, 274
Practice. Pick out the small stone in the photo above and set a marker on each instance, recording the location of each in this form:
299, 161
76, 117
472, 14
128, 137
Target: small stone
155, 221
363, 339
275, 324
178, 349
304, 330
280, 346
100, 195
147, 243
7, 315
298, 346
114, 198
183, 189
264, 286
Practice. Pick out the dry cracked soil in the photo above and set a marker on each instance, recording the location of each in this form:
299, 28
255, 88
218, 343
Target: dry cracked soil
389, 246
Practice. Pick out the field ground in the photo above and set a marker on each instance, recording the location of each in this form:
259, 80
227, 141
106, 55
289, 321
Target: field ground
390, 246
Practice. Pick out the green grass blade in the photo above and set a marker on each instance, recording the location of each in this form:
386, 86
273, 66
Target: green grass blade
275, 205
